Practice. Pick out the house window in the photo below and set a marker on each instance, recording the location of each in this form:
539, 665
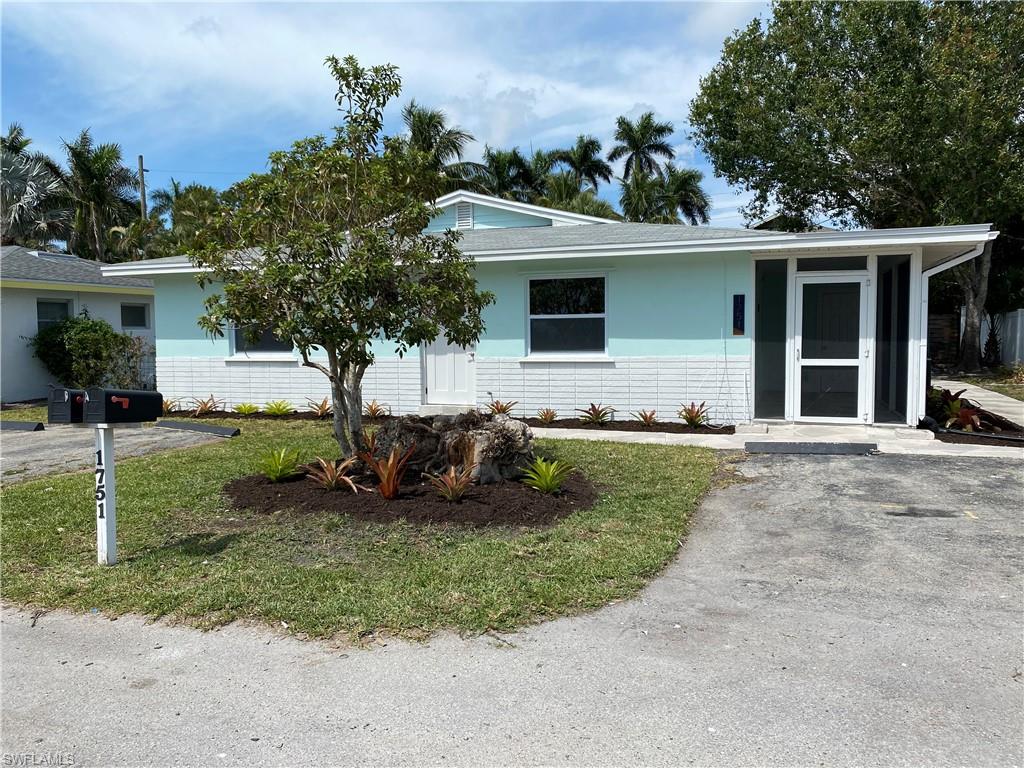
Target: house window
134, 316
266, 342
50, 312
567, 315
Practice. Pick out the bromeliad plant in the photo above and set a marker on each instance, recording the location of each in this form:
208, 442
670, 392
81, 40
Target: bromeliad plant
171, 406
207, 406
547, 415
374, 410
323, 409
647, 418
694, 415
333, 474
497, 406
596, 414
546, 476
453, 484
389, 470
279, 464
246, 409
278, 408
961, 415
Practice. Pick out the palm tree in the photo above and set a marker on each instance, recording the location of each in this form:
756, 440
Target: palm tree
508, 174
34, 211
644, 200
101, 189
641, 142
584, 160
684, 192
162, 200
15, 141
562, 191
445, 145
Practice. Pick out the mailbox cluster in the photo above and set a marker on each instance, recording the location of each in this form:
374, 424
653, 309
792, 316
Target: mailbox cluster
103, 406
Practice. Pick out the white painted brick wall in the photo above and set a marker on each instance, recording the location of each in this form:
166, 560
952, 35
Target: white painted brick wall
627, 384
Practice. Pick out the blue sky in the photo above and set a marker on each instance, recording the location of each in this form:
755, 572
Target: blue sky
205, 91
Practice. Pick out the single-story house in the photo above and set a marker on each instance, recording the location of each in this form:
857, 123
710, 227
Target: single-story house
822, 326
39, 289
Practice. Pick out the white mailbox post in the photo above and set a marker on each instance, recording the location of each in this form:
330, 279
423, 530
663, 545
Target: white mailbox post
106, 496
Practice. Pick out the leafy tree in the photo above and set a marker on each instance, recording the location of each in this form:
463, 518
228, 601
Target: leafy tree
429, 132
327, 249
585, 162
641, 143
100, 189
875, 115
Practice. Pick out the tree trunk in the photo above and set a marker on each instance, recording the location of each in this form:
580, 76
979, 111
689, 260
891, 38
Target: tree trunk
973, 280
347, 399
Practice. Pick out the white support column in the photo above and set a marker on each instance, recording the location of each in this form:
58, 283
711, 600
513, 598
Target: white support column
106, 497
917, 354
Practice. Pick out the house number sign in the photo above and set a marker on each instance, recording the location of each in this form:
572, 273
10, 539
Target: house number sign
106, 497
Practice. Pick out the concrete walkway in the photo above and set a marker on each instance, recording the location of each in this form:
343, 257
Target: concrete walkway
1001, 405
862, 610
901, 441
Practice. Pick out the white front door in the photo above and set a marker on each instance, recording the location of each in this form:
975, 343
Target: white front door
448, 374
832, 348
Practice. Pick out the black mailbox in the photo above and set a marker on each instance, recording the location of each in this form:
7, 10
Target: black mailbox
65, 406
122, 406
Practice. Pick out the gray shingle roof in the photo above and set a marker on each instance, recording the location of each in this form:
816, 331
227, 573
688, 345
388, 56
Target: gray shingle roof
17, 263
476, 240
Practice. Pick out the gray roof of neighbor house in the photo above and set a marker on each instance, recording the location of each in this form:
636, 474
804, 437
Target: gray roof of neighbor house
619, 233
18, 263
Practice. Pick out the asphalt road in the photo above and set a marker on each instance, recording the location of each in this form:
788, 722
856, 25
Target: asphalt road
829, 611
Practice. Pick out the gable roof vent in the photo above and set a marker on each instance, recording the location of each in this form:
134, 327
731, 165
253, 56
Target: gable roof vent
464, 216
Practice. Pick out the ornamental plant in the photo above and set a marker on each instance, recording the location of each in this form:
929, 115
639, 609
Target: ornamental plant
389, 470
206, 406
333, 474
694, 415
246, 409
453, 484
322, 408
546, 476
278, 408
547, 415
647, 418
327, 249
374, 410
497, 406
83, 352
279, 464
596, 414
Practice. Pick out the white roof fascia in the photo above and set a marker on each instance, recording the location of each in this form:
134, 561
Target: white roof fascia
969, 234
564, 217
134, 268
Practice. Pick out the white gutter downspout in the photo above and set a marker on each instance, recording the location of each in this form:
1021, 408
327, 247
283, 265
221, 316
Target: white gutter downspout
921, 395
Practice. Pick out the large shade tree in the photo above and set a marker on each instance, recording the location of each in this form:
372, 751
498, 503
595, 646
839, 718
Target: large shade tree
327, 249
875, 115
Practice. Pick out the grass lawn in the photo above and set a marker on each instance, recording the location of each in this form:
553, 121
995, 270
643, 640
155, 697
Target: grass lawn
186, 556
31, 413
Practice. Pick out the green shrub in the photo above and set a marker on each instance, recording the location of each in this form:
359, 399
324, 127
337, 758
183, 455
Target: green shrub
83, 352
246, 409
546, 476
279, 464
278, 408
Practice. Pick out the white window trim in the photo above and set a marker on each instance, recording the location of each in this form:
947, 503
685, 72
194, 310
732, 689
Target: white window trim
565, 356
241, 356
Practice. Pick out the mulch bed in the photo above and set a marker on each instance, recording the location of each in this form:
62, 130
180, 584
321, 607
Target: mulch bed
981, 439
294, 416
634, 426
497, 504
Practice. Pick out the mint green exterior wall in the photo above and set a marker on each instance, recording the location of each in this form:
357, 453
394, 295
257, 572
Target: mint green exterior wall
486, 217
179, 303
658, 306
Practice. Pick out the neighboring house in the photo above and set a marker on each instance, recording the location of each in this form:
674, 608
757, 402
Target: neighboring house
39, 288
815, 326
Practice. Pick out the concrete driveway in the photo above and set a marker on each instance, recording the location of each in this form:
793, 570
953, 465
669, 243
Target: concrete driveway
64, 448
829, 611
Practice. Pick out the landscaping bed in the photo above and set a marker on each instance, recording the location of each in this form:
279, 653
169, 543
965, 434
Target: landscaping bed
970, 424
508, 503
634, 426
188, 554
986, 438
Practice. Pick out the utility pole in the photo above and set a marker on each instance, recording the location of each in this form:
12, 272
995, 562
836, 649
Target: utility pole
142, 188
